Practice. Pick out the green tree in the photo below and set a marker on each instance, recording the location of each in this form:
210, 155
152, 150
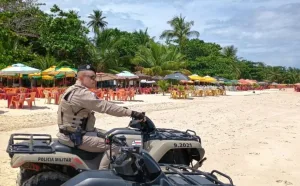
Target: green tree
64, 36
212, 65
195, 48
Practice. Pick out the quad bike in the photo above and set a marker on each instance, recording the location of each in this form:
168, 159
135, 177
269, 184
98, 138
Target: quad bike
135, 167
45, 161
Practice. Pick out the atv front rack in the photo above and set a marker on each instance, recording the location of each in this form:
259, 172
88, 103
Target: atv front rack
29, 144
177, 169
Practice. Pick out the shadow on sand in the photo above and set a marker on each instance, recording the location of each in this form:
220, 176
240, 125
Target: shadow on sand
2, 112
123, 102
33, 108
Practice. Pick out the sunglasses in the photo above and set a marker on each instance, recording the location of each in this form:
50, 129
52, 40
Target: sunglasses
93, 77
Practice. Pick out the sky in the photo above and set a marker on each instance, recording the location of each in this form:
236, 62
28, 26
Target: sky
263, 30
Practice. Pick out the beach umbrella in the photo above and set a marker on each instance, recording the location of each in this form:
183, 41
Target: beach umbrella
47, 77
234, 81
18, 68
4, 69
34, 75
37, 76
67, 71
185, 82
195, 77
209, 79
105, 76
127, 75
49, 70
64, 71
40, 75
221, 79
157, 78
142, 76
243, 82
176, 76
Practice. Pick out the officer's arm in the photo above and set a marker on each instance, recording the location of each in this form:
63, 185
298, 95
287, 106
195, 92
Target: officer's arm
86, 99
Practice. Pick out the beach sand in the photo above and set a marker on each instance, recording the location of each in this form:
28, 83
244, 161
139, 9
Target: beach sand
254, 138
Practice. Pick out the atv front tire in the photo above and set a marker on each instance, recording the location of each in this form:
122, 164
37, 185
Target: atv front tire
46, 179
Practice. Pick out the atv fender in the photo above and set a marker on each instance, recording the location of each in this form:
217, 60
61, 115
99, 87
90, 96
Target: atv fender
158, 148
59, 158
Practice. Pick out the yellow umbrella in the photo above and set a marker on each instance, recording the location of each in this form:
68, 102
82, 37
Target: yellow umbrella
209, 79
45, 72
33, 75
67, 71
49, 70
195, 77
47, 77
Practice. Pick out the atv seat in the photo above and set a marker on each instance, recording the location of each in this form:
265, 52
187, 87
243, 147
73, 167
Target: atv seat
84, 155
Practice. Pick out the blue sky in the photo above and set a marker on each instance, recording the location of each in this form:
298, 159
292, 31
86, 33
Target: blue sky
262, 30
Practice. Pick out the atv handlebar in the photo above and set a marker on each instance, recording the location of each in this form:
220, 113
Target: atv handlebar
120, 159
146, 126
119, 140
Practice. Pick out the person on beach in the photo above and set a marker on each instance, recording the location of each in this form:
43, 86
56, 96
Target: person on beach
76, 118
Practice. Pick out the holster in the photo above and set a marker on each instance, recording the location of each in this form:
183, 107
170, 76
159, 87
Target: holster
76, 137
84, 123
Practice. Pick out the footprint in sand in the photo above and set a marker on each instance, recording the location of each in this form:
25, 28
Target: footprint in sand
285, 182
262, 142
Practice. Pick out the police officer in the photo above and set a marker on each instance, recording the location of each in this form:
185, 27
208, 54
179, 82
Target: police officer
76, 118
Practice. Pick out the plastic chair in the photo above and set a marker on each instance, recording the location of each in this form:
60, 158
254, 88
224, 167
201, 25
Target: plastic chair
31, 99
18, 101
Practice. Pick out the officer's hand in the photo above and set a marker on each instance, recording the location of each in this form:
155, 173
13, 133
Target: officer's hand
137, 115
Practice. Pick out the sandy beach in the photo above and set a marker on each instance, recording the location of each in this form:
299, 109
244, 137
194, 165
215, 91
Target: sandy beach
254, 138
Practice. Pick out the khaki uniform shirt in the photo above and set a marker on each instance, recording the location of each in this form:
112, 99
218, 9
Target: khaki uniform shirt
77, 106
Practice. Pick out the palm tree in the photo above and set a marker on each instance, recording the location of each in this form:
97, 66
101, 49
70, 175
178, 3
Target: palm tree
97, 21
44, 62
230, 53
163, 85
181, 31
276, 74
159, 59
293, 76
143, 37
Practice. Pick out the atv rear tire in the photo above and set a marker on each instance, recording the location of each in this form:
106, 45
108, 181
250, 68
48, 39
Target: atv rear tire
46, 179
24, 175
